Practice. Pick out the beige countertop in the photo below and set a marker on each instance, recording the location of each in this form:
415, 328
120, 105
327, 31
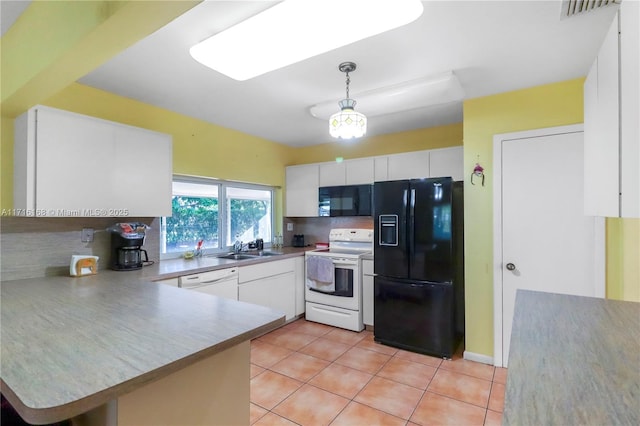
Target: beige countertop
71, 344
573, 361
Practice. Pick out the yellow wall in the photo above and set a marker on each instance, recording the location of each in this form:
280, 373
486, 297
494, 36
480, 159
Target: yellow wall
204, 149
199, 148
413, 140
6, 163
623, 259
53, 43
544, 106
550, 105
208, 150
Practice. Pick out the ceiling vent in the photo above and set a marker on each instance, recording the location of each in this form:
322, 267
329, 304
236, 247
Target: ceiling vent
578, 7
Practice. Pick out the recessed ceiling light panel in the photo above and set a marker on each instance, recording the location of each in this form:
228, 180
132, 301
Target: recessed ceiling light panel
294, 30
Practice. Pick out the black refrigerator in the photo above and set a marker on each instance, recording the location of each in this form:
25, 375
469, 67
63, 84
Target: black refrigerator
419, 265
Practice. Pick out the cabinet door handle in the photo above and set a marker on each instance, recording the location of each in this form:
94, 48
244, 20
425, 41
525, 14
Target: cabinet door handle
511, 266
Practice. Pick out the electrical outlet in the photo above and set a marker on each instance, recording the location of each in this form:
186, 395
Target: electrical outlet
87, 235
289, 226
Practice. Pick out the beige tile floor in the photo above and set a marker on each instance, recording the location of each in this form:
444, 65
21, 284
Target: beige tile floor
307, 373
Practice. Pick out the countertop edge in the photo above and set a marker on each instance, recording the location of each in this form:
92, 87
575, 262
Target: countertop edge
191, 267
75, 408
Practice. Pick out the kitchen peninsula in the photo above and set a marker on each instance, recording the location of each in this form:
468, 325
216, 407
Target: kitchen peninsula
573, 360
114, 349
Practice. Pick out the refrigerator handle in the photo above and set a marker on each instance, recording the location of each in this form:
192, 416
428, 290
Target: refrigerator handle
411, 225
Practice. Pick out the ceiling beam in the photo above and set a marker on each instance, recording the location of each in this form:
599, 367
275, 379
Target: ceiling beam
54, 43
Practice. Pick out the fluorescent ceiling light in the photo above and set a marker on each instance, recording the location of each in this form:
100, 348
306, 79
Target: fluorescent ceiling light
294, 30
429, 91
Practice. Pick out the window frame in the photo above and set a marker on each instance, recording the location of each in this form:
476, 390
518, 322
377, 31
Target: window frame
222, 212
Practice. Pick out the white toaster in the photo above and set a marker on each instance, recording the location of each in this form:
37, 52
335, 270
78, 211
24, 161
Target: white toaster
83, 265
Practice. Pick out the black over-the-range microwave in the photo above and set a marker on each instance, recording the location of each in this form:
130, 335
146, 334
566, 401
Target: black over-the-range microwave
347, 200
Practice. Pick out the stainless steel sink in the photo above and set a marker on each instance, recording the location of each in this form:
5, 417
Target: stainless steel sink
245, 256
238, 256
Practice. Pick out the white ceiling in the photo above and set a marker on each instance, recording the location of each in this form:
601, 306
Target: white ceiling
492, 46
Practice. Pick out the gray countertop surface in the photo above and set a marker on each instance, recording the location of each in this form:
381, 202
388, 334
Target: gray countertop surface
573, 361
172, 268
71, 344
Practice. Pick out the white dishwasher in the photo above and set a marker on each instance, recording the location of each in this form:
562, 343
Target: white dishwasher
223, 283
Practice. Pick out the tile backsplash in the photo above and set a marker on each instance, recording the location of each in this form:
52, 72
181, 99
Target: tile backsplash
316, 229
39, 247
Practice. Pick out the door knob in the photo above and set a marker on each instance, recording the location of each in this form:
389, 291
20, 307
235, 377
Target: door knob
511, 266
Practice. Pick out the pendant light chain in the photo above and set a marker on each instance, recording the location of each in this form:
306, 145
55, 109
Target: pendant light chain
348, 81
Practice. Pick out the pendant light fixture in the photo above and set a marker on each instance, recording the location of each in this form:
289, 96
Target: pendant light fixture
347, 123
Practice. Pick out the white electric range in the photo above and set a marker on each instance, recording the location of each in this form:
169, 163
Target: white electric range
334, 294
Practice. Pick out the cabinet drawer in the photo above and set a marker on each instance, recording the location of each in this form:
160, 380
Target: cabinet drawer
208, 277
266, 269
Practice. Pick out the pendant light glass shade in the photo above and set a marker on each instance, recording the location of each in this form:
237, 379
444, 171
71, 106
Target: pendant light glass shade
347, 123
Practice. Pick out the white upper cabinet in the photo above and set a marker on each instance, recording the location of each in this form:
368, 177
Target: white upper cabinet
69, 164
408, 165
443, 162
348, 172
332, 174
380, 169
611, 124
630, 107
359, 171
302, 190
304, 180
447, 162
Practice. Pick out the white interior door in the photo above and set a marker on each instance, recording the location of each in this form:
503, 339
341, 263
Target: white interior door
545, 241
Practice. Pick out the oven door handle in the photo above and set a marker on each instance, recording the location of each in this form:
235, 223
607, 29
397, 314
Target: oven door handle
344, 262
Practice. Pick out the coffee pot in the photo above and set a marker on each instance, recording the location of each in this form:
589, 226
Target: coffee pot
126, 247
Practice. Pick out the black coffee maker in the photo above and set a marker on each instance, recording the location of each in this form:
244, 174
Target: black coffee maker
126, 247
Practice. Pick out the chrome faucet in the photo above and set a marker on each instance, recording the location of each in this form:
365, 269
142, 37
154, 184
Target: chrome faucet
237, 246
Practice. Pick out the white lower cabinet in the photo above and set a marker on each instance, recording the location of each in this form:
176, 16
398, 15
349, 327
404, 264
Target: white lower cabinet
367, 292
273, 292
270, 284
220, 282
277, 284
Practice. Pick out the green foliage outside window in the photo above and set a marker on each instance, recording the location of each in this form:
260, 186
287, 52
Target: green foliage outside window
246, 215
194, 219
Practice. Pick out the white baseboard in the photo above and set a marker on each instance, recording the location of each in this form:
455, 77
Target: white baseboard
471, 356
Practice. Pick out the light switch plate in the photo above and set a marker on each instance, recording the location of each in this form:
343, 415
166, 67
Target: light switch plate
289, 226
87, 235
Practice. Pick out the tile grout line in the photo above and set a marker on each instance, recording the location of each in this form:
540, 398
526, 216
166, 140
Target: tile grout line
352, 345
